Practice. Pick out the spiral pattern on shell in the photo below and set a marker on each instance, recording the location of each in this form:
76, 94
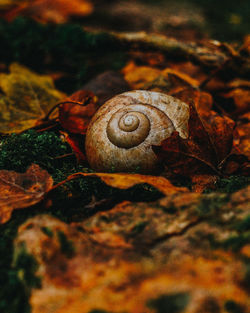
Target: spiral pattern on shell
121, 133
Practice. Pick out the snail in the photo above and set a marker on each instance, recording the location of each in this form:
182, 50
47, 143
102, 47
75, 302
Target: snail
121, 133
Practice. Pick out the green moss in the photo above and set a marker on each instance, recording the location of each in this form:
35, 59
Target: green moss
13, 297
17, 152
236, 242
170, 303
66, 245
211, 203
243, 225
26, 267
47, 231
241, 238
233, 307
169, 209
138, 228
246, 280
232, 184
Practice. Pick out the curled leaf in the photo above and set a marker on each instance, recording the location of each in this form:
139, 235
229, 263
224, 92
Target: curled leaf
125, 181
76, 111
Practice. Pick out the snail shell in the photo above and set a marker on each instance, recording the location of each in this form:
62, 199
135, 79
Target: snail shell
121, 133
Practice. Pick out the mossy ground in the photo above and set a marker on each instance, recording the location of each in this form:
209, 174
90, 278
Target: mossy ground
19, 151
173, 303
82, 56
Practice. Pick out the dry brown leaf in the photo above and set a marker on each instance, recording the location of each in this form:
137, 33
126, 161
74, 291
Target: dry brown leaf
20, 190
202, 182
209, 142
76, 111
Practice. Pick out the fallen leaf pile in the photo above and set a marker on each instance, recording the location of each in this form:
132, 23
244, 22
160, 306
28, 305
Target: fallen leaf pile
175, 241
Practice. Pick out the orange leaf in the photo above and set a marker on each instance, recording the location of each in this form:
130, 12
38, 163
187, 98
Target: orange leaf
19, 190
57, 11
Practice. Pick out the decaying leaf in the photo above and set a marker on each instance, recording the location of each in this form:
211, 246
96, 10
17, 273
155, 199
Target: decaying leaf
76, 111
57, 11
219, 128
19, 190
27, 98
140, 257
209, 142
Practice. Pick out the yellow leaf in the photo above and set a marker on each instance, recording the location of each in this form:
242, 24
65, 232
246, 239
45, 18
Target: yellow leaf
27, 98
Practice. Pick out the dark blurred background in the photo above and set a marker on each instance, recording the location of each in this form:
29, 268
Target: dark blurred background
226, 20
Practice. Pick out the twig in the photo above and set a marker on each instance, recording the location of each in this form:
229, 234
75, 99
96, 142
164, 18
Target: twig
46, 118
